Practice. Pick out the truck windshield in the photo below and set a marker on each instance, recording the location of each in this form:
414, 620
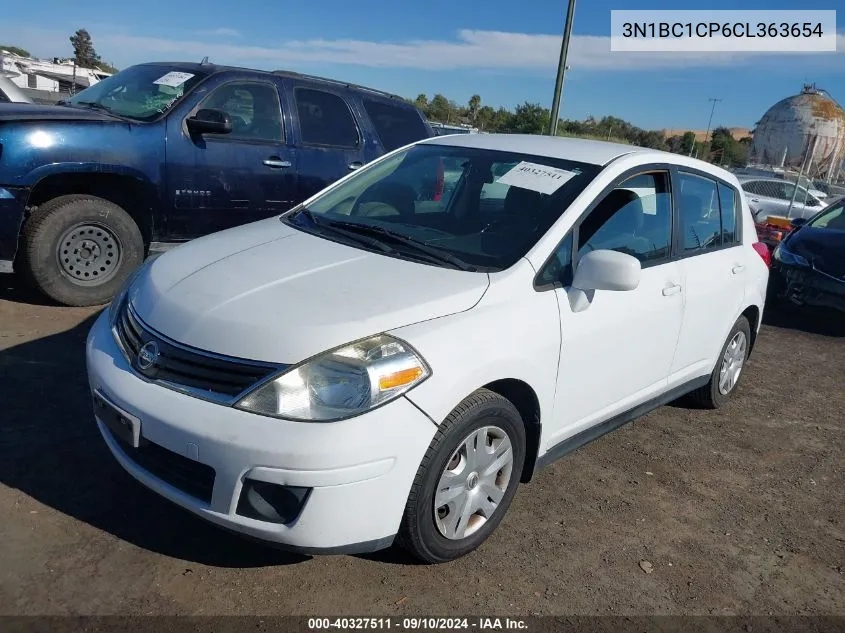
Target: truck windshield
142, 92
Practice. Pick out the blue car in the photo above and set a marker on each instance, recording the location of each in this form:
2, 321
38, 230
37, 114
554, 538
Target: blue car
167, 152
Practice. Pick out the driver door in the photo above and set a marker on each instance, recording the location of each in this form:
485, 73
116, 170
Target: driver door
217, 181
617, 353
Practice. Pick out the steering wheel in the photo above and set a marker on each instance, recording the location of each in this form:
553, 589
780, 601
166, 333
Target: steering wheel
396, 196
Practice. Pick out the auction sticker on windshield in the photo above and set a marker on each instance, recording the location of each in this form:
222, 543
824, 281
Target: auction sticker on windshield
540, 178
173, 79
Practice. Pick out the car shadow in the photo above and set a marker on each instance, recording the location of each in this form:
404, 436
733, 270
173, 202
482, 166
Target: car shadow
13, 289
819, 321
51, 450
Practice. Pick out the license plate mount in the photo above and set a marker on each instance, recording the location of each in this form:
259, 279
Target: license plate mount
125, 427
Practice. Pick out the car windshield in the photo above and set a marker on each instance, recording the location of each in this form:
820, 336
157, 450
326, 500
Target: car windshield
833, 218
470, 208
142, 92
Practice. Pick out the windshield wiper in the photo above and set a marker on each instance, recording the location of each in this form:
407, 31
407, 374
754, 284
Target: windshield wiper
96, 105
434, 254
349, 236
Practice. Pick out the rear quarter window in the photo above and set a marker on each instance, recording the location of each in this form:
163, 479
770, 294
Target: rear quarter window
395, 125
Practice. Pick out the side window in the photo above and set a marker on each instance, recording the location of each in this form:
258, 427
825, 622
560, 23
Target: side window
785, 191
635, 218
753, 186
729, 203
325, 119
3, 97
395, 126
559, 268
253, 107
699, 213
770, 189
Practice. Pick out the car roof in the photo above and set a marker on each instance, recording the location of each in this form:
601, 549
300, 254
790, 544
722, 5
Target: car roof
217, 68
581, 150
743, 178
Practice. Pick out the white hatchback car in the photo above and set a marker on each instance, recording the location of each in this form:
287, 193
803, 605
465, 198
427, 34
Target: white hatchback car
375, 366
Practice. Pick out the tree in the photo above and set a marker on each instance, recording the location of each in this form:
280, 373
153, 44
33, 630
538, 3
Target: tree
17, 50
687, 142
421, 102
438, 109
474, 107
528, 118
83, 49
484, 119
726, 150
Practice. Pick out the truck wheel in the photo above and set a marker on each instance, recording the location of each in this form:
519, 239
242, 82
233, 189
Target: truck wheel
78, 249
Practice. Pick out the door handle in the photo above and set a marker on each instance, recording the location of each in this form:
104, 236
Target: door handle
355, 165
276, 163
755, 199
738, 268
671, 290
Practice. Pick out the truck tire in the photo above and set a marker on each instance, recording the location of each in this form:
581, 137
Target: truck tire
78, 249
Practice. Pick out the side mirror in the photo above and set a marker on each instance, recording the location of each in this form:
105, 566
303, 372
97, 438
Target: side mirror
603, 270
208, 121
797, 223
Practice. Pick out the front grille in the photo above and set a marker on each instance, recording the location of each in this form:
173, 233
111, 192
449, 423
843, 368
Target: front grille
189, 476
201, 373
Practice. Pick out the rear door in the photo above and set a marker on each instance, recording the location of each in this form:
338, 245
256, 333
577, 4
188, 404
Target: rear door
328, 138
708, 246
216, 181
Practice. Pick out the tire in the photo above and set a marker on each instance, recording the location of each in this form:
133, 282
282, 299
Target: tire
711, 395
482, 414
78, 249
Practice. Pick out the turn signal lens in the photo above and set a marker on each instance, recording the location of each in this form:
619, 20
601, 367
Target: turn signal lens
400, 378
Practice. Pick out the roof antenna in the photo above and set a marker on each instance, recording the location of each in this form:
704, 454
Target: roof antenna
204, 60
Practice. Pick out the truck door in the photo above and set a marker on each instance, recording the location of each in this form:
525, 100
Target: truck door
329, 140
217, 181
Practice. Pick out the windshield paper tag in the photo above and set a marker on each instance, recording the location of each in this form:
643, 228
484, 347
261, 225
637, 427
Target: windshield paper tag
540, 178
173, 79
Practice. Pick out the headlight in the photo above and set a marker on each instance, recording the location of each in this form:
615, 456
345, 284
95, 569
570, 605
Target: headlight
786, 256
341, 383
120, 295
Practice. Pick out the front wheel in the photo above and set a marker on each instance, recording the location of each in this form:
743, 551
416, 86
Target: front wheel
467, 479
78, 249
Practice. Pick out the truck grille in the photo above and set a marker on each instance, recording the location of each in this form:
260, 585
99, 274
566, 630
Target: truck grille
197, 372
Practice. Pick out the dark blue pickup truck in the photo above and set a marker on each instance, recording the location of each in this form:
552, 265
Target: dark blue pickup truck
166, 152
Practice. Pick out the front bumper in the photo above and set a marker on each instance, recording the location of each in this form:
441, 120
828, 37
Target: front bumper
805, 286
359, 471
12, 208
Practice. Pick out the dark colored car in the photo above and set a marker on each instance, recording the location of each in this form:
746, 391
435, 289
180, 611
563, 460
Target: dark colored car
166, 152
809, 264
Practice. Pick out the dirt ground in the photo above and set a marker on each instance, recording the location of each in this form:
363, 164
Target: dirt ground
739, 511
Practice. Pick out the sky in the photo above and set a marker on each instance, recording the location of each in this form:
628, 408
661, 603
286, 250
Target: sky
503, 50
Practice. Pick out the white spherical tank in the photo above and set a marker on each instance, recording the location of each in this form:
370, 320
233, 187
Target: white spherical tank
809, 123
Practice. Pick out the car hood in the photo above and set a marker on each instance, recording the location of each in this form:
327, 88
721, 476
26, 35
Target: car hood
35, 112
825, 248
269, 292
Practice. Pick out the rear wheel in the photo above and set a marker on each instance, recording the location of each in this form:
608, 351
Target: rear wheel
729, 367
467, 479
78, 249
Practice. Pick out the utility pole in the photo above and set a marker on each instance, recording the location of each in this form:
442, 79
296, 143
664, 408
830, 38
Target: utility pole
710, 121
561, 68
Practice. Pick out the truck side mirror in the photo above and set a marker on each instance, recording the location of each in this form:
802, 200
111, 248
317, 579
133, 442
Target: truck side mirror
209, 121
